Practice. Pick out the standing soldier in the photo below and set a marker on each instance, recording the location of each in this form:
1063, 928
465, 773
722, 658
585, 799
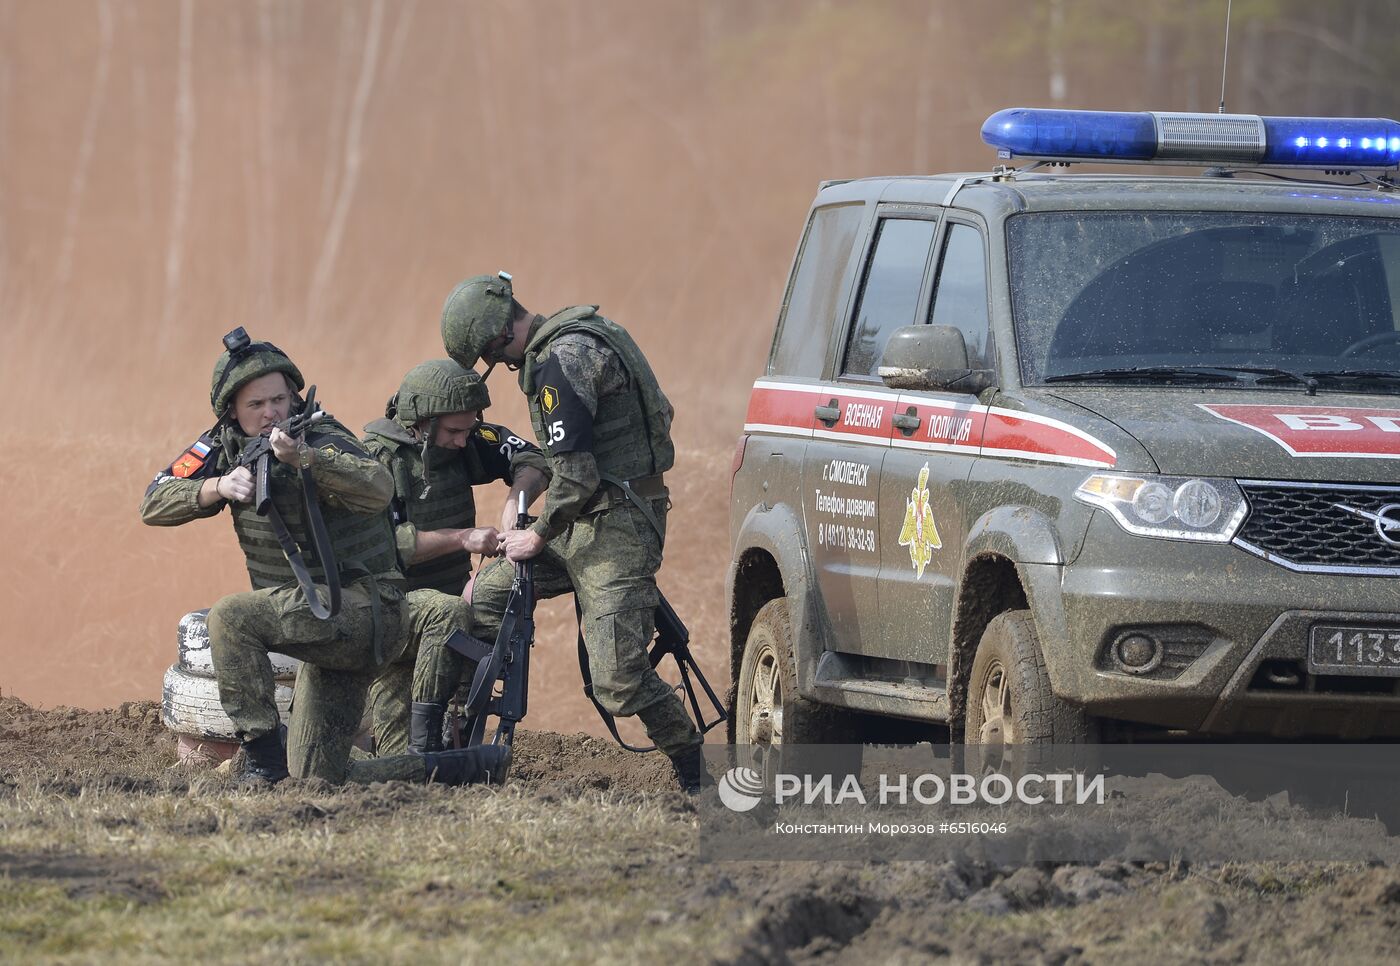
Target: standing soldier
255, 388
436, 447
605, 426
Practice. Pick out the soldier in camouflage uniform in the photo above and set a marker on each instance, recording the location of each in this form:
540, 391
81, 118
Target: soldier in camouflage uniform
255, 387
603, 422
436, 447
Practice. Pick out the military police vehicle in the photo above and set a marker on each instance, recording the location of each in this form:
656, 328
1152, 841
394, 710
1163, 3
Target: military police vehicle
1054, 457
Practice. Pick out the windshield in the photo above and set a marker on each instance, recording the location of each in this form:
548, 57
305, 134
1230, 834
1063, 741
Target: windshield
1126, 290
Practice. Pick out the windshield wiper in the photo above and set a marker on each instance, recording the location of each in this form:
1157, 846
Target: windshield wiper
1271, 374
1358, 375
1199, 373
1311, 378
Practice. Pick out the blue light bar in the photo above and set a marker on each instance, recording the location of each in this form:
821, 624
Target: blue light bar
1231, 139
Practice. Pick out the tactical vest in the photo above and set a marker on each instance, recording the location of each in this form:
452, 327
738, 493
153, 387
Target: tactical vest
631, 430
363, 542
449, 505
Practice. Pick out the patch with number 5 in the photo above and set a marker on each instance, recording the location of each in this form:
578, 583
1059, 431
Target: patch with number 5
566, 421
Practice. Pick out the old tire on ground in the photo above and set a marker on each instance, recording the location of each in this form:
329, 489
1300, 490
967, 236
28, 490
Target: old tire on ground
770, 716
190, 706
1009, 699
196, 659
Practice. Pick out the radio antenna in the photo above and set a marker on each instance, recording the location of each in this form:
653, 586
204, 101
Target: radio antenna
1225, 59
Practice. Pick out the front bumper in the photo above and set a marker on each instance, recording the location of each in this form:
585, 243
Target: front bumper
1246, 614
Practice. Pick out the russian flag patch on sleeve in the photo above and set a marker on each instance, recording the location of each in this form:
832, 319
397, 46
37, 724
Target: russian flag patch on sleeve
191, 461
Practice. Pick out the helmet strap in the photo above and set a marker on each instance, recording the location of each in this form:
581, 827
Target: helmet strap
427, 470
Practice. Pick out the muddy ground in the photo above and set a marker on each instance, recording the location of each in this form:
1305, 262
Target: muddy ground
109, 851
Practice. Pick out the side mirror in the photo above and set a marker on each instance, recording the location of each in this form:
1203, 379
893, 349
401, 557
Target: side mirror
929, 357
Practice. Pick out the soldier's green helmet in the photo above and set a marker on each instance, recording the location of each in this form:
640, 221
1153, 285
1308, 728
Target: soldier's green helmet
477, 311
437, 388
243, 361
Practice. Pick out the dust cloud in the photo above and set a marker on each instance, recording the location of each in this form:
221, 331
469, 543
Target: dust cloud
324, 172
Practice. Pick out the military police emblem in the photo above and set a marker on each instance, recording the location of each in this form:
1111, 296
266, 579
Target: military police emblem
919, 533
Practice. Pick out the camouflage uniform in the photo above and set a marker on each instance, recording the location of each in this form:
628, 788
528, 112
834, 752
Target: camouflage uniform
599, 415
433, 491
341, 655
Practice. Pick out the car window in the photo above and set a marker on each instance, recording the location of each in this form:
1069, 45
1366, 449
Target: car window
809, 312
889, 297
1166, 288
960, 299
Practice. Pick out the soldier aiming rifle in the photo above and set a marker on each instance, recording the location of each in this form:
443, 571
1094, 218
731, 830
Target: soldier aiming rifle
323, 521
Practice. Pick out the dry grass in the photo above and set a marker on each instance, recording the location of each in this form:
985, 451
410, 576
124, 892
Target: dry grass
391, 873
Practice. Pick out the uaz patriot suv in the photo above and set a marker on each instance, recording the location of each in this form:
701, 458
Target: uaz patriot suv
1048, 457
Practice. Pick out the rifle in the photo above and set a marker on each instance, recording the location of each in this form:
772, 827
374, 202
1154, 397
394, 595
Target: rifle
673, 638
508, 662
258, 457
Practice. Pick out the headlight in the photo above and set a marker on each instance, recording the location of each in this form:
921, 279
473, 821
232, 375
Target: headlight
1173, 507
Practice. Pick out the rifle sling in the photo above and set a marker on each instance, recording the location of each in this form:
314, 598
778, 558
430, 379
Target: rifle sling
298, 564
637, 501
325, 552
472, 648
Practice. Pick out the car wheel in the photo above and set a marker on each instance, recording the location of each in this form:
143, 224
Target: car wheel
1010, 703
190, 706
769, 714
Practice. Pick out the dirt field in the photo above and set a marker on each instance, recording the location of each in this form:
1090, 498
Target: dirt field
107, 851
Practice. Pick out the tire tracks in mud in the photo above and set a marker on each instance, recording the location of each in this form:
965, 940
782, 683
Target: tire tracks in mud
886, 911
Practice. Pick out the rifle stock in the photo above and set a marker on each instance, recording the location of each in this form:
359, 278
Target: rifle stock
672, 638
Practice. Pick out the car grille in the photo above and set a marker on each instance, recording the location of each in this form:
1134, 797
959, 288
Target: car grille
1303, 526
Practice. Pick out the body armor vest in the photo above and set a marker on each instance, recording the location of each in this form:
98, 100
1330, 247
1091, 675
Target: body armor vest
363, 542
631, 430
449, 505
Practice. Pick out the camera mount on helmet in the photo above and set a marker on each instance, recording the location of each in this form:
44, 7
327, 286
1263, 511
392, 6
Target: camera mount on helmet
237, 340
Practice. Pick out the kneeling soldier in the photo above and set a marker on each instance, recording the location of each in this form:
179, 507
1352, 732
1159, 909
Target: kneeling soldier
325, 474
436, 447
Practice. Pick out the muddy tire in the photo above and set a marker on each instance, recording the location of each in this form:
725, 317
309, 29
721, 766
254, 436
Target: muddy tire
769, 713
196, 659
190, 706
1009, 699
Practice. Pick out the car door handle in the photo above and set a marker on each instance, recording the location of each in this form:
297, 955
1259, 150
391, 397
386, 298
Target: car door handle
907, 422
829, 413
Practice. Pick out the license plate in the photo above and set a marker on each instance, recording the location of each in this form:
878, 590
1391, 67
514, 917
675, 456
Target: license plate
1339, 649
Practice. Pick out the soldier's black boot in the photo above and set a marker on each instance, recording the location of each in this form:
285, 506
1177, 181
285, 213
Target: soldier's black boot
266, 760
425, 726
689, 766
469, 766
